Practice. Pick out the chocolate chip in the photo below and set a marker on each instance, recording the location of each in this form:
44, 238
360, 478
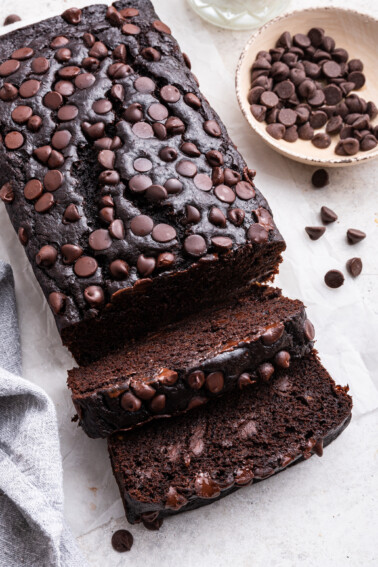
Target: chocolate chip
277, 131
368, 143
100, 239
215, 382
117, 229
175, 126
257, 234
192, 215
282, 359
129, 402
133, 113
52, 180
158, 111
321, 140
193, 101
285, 89
309, 330
165, 260
195, 245
46, 256
9, 67
320, 178
222, 243
265, 371
354, 266
273, 334
122, 540
291, 134
22, 234
357, 78
40, 65
53, 100
21, 114
190, 149
71, 214
85, 80
354, 235
305, 132
331, 69
143, 130
196, 379
59, 41
85, 266
6, 193
63, 55
94, 295
173, 186
268, 98
14, 140
23, 53
255, 94
153, 525
8, 92
71, 253
61, 139
44, 203
119, 70
315, 232
158, 403
119, 269
317, 98
34, 123
72, 16
328, 215
186, 168
287, 117
150, 54
212, 128
139, 183
142, 165
334, 278
259, 112
57, 302
224, 194
334, 125
333, 94
163, 233
203, 182
347, 146
316, 36
216, 217
11, 19
168, 154
33, 189
301, 40
65, 88
318, 119
145, 265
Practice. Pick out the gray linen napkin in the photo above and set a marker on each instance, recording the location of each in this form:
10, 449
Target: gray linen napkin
32, 528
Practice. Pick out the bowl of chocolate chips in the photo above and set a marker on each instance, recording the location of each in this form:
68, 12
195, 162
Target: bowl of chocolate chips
307, 84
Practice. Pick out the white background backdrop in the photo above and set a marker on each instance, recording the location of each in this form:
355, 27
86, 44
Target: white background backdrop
319, 513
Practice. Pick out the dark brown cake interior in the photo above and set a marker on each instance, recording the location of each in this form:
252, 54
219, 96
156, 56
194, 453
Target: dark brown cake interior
191, 341
263, 430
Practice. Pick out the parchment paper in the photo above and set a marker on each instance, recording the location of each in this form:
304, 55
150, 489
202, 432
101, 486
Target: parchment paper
319, 513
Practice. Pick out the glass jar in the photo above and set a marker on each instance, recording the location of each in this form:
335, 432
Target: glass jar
238, 14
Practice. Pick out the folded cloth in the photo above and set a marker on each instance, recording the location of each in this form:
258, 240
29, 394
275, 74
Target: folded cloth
32, 528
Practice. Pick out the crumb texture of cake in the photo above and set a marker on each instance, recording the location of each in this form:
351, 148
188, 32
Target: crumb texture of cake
189, 461
186, 364
132, 203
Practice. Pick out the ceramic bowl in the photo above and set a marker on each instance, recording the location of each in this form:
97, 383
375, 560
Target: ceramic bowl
355, 32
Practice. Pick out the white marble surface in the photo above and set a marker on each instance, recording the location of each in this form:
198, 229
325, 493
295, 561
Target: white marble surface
320, 512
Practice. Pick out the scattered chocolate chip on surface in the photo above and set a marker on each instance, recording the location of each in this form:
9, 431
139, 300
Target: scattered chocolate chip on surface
122, 540
334, 278
328, 215
354, 235
354, 266
320, 178
315, 232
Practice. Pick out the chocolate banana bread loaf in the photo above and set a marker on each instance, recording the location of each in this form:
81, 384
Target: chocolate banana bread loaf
132, 203
190, 362
174, 465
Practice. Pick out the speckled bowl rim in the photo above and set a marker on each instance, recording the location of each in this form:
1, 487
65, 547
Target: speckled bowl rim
245, 107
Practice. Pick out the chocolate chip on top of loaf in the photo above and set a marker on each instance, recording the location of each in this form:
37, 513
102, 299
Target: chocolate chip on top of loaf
119, 175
